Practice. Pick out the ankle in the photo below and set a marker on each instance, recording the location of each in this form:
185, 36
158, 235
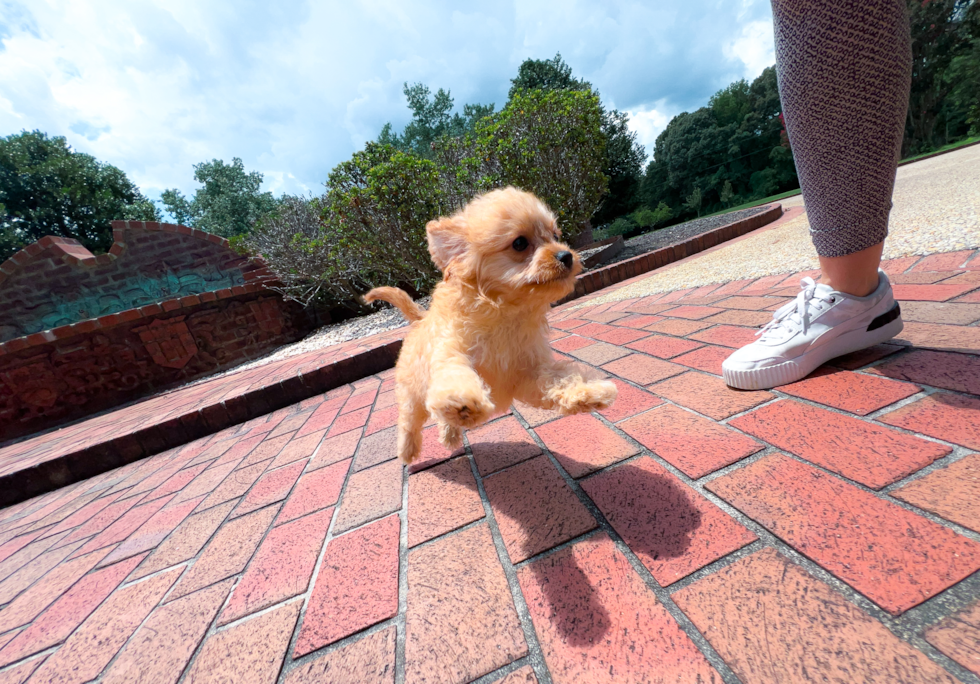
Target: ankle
853, 286
855, 274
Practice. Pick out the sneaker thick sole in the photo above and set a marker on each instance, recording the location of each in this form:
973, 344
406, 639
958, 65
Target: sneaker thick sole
881, 329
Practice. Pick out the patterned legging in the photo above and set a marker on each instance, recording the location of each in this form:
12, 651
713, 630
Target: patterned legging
844, 69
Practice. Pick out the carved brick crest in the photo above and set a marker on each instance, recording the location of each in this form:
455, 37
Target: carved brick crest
35, 382
267, 315
169, 342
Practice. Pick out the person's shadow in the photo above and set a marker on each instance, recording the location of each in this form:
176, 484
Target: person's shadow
661, 520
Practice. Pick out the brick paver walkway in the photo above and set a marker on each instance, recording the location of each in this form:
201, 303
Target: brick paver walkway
94, 445
824, 532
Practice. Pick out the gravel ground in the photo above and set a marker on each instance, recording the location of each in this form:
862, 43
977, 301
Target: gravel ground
936, 209
656, 239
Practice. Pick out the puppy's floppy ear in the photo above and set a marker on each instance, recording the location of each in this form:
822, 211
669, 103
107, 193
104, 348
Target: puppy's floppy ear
447, 240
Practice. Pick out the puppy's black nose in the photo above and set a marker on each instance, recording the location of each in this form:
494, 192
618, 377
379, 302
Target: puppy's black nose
566, 258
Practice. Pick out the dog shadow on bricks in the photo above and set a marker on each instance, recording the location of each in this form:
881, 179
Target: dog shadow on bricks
653, 513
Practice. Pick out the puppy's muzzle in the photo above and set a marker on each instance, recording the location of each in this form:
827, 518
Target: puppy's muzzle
566, 258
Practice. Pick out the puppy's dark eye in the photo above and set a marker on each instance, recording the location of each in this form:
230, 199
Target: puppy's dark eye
557, 239
520, 244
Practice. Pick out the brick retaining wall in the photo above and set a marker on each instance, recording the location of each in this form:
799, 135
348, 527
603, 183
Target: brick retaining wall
82, 333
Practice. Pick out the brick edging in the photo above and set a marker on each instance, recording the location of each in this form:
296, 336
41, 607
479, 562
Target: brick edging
80, 465
624, 270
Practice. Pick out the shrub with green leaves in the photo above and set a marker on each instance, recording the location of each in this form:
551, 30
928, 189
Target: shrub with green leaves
369, 228
647, 218
549, 143
370, 225
376, 207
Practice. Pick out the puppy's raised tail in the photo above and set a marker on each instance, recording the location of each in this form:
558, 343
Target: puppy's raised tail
397, 298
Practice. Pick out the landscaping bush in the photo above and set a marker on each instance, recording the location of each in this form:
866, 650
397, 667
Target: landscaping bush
620, 226
368, 229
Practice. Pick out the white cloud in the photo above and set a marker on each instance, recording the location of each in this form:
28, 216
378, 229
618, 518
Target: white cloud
753, 47
648, 124
294, 87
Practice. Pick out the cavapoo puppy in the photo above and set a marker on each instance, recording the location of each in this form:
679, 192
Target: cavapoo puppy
484, 340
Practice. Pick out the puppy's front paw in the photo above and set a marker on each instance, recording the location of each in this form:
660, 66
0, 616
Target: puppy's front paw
450, 436
463, 410
588, 396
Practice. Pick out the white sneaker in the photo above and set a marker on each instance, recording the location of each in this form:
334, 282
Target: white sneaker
819, 325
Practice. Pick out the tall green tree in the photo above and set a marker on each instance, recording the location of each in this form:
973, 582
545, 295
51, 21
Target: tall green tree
545, 74
962, 107
625, 157
731, 149
943, 34
432, 119
46, 188
550, 143
229, 202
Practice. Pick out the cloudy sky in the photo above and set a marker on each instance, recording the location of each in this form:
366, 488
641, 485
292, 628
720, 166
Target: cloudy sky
294, 87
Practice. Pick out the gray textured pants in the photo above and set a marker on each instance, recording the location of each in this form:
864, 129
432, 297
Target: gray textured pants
844, 69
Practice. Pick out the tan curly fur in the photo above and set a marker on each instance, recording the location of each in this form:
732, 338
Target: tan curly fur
484, 340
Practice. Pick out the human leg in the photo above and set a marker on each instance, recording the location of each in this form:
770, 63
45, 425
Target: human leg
844, 70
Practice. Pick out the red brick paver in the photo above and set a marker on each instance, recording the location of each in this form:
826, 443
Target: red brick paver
370, 660
461, 622
693, 444
582, 444
598, 622
289, 545
892, 556
958, 636
673, 529
952, 492
864, 452
535, 508
772, 622
281, 568
357, 585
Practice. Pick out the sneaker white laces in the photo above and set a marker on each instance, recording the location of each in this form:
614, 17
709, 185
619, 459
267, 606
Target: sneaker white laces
796, 313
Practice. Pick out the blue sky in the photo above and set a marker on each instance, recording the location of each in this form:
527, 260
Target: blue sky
295, 87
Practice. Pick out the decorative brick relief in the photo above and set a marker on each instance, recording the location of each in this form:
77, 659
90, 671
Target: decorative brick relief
169, 343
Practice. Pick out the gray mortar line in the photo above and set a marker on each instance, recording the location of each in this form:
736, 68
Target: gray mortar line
503, 671
401, 631
535, 655
895, 625
290, 663
701, 643
771, 540
213, 626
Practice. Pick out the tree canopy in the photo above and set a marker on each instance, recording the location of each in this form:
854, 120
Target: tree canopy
732, 148
47, 188
625, 157
371, 227
228, 203
432, 119
944, 103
